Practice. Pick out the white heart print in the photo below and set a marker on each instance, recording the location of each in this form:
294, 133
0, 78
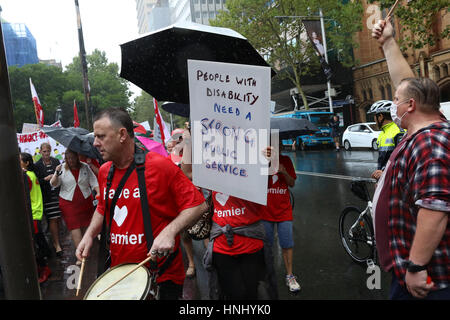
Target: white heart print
274, 178
120, 214
222, 198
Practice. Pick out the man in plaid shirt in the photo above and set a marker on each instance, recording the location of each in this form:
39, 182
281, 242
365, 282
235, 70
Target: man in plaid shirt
412, 200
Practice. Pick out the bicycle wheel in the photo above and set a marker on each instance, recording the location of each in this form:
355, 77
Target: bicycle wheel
356, 235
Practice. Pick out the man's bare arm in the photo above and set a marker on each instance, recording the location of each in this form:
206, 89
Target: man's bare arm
399, 68
165, 241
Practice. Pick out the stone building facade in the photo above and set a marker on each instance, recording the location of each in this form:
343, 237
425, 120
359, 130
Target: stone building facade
370, 75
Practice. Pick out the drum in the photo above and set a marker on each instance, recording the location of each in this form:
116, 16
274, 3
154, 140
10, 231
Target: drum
139, 285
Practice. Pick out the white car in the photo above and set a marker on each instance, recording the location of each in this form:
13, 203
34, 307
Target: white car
361, 135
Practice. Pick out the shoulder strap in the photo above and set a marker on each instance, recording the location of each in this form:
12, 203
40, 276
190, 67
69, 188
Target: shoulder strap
139, 159
139, 165
140, 169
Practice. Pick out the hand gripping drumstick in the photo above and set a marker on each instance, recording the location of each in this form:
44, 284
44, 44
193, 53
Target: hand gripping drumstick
391, 11
80, 276
126, 275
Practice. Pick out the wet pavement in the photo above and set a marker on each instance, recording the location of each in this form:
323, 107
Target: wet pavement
323, 268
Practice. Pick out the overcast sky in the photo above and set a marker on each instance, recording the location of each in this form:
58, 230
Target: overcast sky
53, 23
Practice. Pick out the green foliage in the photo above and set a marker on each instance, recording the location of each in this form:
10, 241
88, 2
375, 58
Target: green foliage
419, 17
283, 41
56, 87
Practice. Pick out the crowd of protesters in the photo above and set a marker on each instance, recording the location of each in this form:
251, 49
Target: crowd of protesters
411, 202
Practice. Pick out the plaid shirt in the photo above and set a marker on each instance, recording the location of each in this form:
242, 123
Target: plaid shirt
420, 179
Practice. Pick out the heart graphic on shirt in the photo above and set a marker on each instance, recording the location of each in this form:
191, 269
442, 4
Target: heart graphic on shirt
274, 178
120, 214
222, 198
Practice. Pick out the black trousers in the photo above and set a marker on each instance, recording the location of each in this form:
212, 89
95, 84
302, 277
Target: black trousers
240, 275
169, 290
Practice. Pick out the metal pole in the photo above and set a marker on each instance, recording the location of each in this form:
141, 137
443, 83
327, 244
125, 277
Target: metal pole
322, 25
17, 259
87, 101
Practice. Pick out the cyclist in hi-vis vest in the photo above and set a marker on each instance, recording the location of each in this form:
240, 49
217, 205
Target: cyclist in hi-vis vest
390, 134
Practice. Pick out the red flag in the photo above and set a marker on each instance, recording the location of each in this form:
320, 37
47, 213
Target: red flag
165, 135
37, 106
76, 121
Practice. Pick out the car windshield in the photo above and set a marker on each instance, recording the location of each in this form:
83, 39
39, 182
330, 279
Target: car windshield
374, 127
320, 120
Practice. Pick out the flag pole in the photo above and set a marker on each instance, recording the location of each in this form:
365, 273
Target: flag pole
87, 102
322, 26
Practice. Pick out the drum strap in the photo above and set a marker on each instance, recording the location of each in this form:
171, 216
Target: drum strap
139, 165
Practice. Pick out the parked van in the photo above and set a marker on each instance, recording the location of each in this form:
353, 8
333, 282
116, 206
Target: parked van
320, 119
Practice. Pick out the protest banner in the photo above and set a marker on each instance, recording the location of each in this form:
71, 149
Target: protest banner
230, 115
31, 142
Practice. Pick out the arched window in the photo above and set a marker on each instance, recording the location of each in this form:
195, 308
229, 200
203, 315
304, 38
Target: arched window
383, 96
389, 91
444, 70
436, 73
370, 94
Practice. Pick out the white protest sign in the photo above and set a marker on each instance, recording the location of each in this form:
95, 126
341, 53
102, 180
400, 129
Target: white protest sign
230, 115
31, 143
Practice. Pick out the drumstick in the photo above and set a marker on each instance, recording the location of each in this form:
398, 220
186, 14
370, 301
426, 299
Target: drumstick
81, 276
126, 275
391, 11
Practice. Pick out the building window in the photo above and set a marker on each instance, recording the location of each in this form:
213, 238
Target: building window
444, 70
383, 96
364, 95
436, 73
370, 94
389, 91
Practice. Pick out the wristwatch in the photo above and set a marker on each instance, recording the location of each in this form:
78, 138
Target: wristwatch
413, 268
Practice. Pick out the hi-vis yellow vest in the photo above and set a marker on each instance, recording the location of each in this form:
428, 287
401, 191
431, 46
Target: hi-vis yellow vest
37, 204
387, 141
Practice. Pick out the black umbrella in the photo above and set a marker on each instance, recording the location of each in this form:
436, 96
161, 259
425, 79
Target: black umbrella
76, 139
179, 109
157, 62
292, 127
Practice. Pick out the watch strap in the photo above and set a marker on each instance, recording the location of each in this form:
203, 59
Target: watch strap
413, 268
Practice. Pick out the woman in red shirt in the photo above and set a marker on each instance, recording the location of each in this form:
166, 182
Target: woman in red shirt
76, 181
238, 259
278, 213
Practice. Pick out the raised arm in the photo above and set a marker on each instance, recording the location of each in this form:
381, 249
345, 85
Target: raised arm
399, 68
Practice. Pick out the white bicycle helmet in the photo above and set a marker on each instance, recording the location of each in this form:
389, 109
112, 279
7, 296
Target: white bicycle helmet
381, 106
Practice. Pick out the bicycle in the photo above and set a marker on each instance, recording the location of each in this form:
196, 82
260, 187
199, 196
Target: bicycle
356, 227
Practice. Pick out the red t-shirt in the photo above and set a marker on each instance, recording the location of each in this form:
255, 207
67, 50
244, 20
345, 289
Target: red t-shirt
169, 192
235, 212
278, 199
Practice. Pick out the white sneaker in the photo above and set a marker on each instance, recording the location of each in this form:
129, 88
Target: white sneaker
291, 282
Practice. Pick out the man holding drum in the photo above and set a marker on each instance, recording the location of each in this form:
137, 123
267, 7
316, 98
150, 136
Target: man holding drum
173, 201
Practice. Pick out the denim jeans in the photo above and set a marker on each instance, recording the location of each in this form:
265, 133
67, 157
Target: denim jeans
399, 292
